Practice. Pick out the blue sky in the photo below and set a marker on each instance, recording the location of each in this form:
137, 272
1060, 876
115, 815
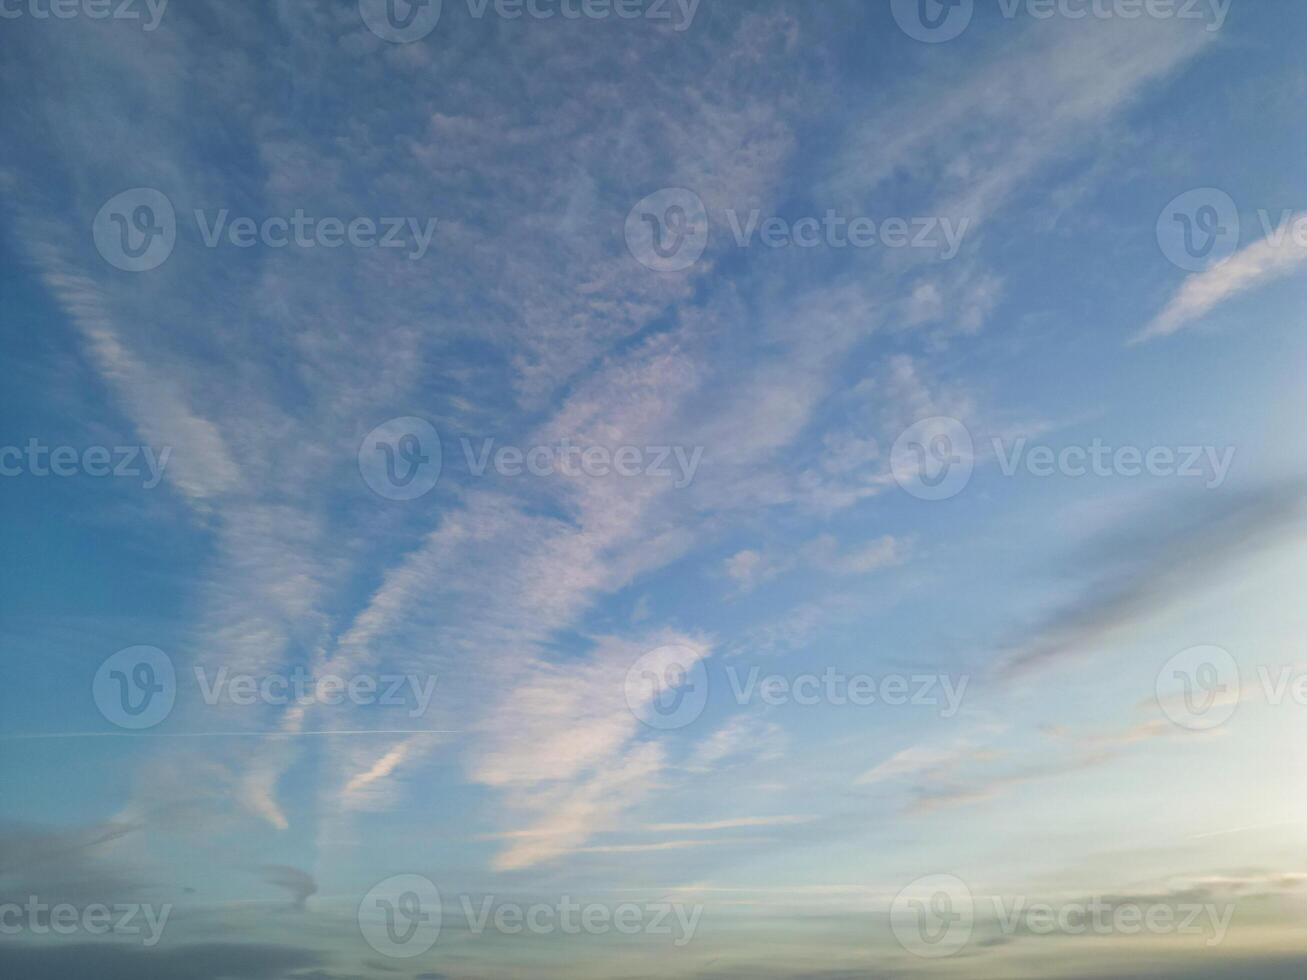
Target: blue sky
614, 233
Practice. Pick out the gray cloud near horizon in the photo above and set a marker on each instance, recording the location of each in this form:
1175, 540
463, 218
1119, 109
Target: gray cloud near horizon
1150, 561
116, 961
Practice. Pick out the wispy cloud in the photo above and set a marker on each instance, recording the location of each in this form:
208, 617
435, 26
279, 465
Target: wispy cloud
1255, 265
1154, 558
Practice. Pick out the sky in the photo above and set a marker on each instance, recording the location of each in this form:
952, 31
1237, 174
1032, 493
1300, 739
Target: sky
651, 489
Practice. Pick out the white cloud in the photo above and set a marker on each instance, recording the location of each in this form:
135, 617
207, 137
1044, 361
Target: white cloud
745, 739
565, 747
730, 823
1256, 265
748, 568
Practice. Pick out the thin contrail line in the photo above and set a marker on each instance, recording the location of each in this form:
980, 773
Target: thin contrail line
1242, 830
50, 735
